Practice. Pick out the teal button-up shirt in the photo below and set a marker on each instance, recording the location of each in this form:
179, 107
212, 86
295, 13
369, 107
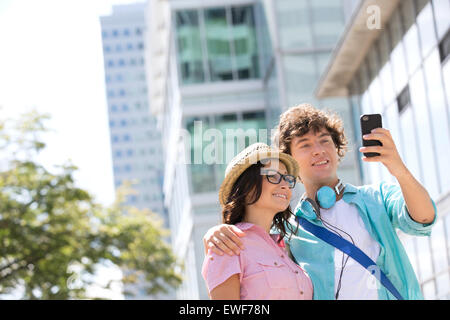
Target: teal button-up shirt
382, 208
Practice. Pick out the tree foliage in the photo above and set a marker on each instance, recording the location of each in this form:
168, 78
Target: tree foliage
53, 234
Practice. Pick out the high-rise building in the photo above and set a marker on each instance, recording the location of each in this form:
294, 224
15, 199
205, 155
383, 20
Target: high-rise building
223, 65
135, 139
393, 59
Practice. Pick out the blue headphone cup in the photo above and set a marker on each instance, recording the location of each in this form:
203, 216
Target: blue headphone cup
326, 197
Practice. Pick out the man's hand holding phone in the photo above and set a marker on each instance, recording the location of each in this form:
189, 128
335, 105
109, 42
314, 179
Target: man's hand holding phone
389, 155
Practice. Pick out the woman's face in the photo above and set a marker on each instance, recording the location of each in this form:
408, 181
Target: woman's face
274, 196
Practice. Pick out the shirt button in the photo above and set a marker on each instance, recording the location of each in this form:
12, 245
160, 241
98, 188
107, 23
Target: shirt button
296, 271
301, 292
275, 263
212, 258
282, 256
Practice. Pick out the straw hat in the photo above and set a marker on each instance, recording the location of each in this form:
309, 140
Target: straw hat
247, 157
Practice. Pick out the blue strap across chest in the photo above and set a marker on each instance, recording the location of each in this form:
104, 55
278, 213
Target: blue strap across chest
351, 250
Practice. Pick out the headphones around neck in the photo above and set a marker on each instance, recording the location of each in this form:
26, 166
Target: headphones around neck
325, 198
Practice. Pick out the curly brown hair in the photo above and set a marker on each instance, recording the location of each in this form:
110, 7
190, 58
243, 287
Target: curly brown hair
299, 120
249, 184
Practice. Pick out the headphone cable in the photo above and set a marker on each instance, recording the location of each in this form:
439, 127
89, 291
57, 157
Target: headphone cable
343, 264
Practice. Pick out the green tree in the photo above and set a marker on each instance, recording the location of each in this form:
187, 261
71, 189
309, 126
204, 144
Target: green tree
53, 235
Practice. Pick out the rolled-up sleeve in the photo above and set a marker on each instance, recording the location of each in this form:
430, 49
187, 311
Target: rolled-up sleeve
398, 213
217, 269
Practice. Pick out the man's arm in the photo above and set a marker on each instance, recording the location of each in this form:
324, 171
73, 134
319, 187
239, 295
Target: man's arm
417, 199
223, 238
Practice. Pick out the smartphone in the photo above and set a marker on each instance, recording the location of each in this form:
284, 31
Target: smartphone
368, 123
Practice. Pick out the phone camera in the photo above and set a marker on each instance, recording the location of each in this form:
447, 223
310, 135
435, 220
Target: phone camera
365, 118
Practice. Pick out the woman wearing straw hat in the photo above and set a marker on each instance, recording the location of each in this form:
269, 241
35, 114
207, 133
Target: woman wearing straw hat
255, 196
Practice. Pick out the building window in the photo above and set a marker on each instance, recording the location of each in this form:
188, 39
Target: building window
403, 99
444, 47
237, 132
229, 40
427, 33
201, 172
245, 44
441, 14
218, 44
327, 21
115, 33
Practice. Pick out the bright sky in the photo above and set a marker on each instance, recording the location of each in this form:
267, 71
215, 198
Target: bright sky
51, 59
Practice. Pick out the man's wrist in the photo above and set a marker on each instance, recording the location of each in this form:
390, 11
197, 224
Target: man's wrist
402, 174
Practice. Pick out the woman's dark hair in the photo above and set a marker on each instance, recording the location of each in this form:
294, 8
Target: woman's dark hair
248, 187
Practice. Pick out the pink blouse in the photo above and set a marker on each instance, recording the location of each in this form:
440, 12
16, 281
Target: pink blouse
264, 267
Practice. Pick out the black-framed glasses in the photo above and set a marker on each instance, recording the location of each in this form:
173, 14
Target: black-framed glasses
275, 177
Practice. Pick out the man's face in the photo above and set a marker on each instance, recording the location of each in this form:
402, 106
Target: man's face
317, 157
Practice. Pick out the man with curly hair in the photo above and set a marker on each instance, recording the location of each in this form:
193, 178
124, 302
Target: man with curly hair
367, 216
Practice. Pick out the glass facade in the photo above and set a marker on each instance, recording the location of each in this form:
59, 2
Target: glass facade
217, 44
308, 31
216, 139
405, 78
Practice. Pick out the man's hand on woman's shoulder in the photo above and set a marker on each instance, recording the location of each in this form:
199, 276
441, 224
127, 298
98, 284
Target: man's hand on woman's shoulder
224, 238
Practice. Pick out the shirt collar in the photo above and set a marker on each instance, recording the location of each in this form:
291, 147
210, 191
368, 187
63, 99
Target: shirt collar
244, 225
350, 188
247, 225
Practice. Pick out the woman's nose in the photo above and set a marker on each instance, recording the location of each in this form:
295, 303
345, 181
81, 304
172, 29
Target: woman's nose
284, 184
